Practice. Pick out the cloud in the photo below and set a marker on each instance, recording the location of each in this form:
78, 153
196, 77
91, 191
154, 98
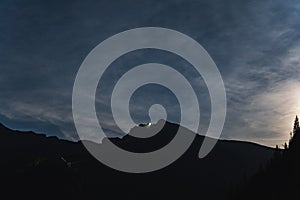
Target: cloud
263, 101
274, 110
255, 44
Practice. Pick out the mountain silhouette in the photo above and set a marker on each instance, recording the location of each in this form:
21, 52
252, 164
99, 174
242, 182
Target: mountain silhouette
34, 165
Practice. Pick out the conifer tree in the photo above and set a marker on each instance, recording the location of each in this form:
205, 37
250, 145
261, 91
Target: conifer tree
295, 138
296, 125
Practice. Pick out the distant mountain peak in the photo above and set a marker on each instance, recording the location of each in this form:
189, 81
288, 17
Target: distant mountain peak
149, 129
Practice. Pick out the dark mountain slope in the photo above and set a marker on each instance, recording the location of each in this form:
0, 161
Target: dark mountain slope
280, 178
33, 165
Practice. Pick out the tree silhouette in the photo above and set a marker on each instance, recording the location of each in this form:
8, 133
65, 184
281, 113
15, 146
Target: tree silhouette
296, 124
277, 155
285, 146
295, 138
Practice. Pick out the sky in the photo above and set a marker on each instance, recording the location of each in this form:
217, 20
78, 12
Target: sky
255, 44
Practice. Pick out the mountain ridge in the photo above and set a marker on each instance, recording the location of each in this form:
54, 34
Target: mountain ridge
4, 127
36, 161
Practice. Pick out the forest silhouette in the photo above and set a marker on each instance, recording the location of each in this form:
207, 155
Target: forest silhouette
280, 178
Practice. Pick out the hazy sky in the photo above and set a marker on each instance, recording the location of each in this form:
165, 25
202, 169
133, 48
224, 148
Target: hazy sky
255, 44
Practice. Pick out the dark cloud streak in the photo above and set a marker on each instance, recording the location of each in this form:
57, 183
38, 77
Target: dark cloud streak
42, 44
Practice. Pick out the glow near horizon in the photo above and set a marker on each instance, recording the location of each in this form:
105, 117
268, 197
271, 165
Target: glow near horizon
275, 112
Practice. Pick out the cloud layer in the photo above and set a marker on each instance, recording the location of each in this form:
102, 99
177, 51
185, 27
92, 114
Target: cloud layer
255, 44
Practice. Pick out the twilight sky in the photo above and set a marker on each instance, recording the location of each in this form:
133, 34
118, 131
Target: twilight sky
255, 44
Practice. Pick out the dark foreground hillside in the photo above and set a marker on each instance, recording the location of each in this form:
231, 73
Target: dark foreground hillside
280, 179
33, 165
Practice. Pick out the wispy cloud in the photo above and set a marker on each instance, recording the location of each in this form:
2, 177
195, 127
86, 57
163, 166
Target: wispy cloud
255, 44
